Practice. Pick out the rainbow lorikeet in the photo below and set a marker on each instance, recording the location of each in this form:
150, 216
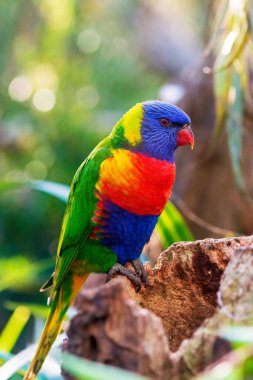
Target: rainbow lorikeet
115, 199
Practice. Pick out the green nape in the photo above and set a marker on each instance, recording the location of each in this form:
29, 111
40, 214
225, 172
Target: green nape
118, 139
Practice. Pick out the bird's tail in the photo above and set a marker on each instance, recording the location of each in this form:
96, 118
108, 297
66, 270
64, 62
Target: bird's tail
60, 303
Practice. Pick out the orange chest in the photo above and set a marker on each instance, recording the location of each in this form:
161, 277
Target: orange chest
135, 182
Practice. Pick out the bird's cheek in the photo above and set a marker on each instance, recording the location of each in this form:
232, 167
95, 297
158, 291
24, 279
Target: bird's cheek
185, 137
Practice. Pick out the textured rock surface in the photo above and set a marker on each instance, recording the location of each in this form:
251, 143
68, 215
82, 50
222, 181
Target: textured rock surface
235, 305
112, 328
184, 284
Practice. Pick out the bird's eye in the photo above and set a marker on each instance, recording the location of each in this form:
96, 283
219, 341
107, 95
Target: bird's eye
164, 122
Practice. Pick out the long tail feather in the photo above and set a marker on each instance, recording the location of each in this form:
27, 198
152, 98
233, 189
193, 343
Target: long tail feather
60, 303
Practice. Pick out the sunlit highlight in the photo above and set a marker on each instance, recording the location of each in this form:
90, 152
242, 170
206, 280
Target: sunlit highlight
229, 41
36, 170
44, 100
45, 76
20, 88
231, 94
88, 41
171, 93
236, 6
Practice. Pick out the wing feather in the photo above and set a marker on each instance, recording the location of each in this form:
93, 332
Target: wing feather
77, 223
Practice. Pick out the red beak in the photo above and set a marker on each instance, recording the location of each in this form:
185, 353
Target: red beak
185, 136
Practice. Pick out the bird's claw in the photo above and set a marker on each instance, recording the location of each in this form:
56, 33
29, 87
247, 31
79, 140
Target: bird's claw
118, 268
140, 275
140, 271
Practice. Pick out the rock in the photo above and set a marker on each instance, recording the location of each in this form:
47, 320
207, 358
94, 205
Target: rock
184, 284
235, 305
169, 330
111, 328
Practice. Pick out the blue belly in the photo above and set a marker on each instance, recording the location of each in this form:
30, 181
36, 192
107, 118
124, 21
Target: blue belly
126, 233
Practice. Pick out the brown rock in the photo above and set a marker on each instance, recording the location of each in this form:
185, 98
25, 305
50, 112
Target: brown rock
184, 284
111, 328
235, 305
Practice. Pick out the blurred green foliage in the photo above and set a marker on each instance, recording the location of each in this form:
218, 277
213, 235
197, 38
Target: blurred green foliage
67, 72
172, 227
86, 370
13, 328
231, 44
91, 90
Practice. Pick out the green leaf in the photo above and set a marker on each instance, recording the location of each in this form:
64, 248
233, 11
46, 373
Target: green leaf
4, 357
39, 311
14, 328
222, 81
57, 190
225, 61
217, 25
234, 128
231, 37
172, 227
236, 35
86, 370
17, 271
16, 372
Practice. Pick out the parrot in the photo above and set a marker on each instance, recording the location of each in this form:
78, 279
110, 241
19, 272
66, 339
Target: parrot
116, 197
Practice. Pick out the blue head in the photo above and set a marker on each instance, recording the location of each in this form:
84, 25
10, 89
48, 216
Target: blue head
164, 127
154, 128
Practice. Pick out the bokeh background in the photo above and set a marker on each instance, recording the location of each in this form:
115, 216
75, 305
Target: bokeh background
68, 70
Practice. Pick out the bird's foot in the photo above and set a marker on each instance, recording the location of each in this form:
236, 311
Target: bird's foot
140, 271
118, 268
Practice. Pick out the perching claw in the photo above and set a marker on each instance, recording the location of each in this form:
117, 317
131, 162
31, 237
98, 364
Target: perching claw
118, 268
141, 271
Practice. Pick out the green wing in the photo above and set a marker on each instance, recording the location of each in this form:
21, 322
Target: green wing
77, 224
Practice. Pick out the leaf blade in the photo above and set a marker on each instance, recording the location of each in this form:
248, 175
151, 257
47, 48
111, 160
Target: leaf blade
172, 227
13, 328
86, 370
55, 189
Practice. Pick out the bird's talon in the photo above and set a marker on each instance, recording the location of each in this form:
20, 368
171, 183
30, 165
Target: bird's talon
137, 287
140, 271
118, 268
146, 282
